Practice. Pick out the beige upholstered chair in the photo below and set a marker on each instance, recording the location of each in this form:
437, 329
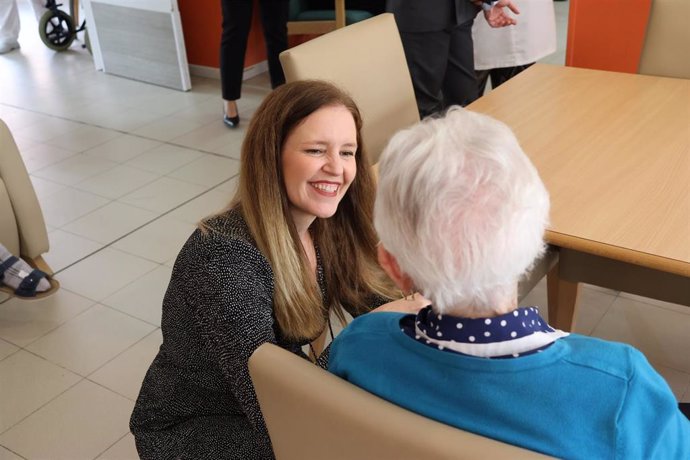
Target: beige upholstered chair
314, 415
22, 228
367, 60
665, 49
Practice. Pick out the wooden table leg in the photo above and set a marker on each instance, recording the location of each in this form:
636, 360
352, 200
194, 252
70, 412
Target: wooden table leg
562, 300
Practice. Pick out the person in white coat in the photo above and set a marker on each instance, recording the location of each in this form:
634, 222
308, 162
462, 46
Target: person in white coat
10, 25
505, 52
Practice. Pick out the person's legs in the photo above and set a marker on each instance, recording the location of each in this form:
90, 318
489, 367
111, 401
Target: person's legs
39, 7
503, 74
9, 26
427, 58
482, 79
237, 15
274, 16
460, 84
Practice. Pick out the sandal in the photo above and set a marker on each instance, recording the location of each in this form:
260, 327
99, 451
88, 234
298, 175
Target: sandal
21, 280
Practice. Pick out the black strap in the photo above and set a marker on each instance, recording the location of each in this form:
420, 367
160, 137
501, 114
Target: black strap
28, 286
11, 260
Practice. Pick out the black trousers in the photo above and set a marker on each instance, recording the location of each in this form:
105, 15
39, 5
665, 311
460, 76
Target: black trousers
442, 67
237, 19
498, 76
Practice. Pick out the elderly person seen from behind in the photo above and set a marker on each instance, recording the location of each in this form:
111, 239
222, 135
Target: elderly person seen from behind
461, 213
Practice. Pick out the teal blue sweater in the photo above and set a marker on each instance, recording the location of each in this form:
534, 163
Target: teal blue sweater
580, 398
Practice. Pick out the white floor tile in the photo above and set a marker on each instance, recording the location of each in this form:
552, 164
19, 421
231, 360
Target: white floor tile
158, 241
659, 303
163, 194
83, 138
45, 188
122, 148
164, 159
47, 128
104, 273
90, 340
229, 187
79, 424
209, 203
169, 127
677, 380
662, 335
214, 137
117, 182
124, 449
40, 156
66, 248
75, 169
125, 373
143, 298
208, 170
110, 222
8, 455
69, 204
24, 321
28, 382
6, 349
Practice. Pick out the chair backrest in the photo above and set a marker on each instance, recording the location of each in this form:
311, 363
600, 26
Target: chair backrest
314, 415
22, 228
665, 49
304, 21
367, 60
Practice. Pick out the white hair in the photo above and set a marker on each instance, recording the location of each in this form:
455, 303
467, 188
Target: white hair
461, 208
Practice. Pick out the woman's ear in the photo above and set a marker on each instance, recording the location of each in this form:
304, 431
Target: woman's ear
392, 269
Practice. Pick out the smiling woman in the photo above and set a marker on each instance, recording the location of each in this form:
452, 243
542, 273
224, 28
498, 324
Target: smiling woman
295, 244
319, 164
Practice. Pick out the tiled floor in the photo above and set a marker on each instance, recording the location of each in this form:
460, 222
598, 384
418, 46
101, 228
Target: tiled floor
123, 170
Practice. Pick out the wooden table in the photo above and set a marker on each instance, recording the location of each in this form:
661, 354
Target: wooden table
614, 152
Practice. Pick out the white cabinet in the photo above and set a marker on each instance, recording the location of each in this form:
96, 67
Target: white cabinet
139, 39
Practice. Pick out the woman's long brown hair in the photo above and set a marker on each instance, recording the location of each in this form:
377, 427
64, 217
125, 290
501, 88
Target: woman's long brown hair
347, 241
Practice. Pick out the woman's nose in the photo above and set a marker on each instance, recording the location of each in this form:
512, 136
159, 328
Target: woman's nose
334, 163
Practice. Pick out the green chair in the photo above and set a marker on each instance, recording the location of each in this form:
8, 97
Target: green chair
303, 21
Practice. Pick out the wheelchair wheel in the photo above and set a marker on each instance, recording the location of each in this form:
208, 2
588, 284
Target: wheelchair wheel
56, 29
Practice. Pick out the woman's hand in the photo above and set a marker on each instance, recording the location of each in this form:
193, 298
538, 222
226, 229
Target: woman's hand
410, 304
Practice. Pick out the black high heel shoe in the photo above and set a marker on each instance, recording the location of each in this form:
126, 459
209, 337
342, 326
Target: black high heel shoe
231, 122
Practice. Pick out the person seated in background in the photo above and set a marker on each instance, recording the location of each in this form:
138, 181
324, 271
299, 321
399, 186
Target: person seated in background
461, 213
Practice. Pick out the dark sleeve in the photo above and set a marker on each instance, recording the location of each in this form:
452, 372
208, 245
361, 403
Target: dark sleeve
235, 316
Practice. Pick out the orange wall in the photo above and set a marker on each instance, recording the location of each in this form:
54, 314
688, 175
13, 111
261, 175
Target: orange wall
201, 22
607, 34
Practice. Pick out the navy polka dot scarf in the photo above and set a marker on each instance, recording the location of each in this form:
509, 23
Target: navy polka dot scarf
518, 333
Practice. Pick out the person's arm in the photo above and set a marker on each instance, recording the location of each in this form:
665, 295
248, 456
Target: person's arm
235, 316
650, 424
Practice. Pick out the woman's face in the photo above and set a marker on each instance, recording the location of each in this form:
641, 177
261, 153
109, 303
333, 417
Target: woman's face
319, 163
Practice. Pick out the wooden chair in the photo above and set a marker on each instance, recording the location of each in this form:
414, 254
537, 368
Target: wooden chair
314, 415
303, 21
664, 52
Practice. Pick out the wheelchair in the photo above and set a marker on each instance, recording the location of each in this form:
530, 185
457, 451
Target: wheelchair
58, 29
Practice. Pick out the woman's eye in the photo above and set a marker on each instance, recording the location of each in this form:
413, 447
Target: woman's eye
347, 153
315, 151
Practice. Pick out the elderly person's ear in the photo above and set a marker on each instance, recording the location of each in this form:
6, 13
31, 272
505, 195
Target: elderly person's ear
392, 269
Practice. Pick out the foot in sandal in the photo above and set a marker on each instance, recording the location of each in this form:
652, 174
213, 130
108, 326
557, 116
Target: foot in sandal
19, 278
